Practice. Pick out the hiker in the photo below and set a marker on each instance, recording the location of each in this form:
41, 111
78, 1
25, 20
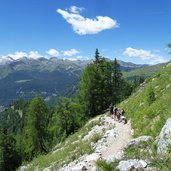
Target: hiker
118, 114
123, 118
115, 110
111, 110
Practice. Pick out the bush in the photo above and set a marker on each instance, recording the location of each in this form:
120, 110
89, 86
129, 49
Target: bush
151, 96
104, 166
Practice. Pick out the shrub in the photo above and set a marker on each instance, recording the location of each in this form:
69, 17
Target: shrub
151, 96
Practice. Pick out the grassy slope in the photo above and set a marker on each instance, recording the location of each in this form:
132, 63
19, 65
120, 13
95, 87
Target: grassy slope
144, 72
149, 119
146, 120
72, 148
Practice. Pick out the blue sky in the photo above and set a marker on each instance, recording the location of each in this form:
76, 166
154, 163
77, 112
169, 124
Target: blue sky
130, 30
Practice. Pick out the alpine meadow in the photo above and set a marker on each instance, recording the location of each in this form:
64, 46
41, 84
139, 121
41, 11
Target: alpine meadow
85, 85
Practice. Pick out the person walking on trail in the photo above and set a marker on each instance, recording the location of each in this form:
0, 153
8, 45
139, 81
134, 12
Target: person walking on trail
123, 118
115, 110
111, 110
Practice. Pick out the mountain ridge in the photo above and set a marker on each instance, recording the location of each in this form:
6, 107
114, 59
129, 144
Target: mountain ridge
48, 78
148, 116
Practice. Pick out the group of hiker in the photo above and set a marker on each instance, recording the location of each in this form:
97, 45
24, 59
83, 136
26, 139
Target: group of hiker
118, 114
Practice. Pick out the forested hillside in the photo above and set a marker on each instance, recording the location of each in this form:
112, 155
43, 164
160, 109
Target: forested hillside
147, 108
34, 127
48, 78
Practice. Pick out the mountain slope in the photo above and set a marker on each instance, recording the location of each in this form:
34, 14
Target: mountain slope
145, 71
149, 107
100, 138
49, 78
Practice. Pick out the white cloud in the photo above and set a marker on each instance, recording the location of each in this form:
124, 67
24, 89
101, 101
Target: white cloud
70, 52
74, 58
34, 55
144, 55
53, 52
18, 55
83, 26
75, 9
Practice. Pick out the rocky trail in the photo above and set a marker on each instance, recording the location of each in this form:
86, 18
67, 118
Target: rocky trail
108, 148
116, 144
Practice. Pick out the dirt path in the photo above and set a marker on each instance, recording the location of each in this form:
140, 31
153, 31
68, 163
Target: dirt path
116, 144
115, 141
109, 148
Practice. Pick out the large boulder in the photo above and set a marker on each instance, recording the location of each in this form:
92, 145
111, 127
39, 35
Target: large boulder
132, 165
136, 141
164, 139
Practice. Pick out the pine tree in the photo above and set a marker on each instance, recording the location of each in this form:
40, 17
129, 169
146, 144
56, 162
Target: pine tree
89, 93
97, 56
101, 84
116, 82
9, 159
36, 128
67, 118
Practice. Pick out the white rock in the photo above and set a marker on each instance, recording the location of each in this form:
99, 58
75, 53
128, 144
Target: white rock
131, 164
136, 141
23, 168
164, 139
92, 157
143, 163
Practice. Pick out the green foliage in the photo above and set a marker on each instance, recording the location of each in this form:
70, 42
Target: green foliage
150, 96
72, 148
9, 158
104, 166
96, 137
101, 84
36, 128
67, 118
97, 57
140, 151
149, 119
143, 72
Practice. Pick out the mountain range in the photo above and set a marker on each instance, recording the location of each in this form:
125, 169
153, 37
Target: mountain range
105, 144
50, 78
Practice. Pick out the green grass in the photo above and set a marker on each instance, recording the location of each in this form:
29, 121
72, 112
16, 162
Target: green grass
148, 119
148, 115
143, 72
147, 151
104, 166
69, 150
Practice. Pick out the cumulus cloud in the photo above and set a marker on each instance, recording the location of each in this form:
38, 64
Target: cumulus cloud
18, 55
53, 52
75, 9
74, 58
82, 25
71, 52
144, 55
34, 55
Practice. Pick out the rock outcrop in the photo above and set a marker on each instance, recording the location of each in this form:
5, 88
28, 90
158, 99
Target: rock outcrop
132, 165
136, 141
164, 140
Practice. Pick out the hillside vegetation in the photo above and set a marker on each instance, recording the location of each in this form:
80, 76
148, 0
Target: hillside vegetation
149, 107
145, 71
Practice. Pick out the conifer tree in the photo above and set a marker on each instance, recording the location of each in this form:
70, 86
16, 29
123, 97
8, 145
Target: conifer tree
36, 128
97, 56
116, 82
9, 159
101, 84
66, 119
